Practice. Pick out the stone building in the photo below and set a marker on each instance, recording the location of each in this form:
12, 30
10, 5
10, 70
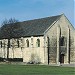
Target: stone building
49, 40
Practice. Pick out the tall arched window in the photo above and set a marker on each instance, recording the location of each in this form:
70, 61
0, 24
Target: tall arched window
27, 43
9, 45
1, 43
38, 43
62, 43
18, 43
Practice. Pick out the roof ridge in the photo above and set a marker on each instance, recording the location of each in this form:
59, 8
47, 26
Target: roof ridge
41, 18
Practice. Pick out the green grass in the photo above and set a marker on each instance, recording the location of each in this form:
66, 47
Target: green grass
35, 70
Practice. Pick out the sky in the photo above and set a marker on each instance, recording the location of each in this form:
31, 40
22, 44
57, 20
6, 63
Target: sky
23, 10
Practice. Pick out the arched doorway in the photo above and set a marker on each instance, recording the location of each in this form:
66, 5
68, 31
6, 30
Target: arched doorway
62, 58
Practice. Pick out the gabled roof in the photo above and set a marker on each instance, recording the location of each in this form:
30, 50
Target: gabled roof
34, 27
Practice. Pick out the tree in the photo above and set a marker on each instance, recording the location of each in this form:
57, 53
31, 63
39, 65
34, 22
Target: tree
7, 31
8, 26
10, 21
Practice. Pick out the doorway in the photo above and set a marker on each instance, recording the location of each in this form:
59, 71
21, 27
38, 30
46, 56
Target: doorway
62, 58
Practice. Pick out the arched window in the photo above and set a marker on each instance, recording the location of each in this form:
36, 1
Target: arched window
27, 43
18, 43
62, 41
1, 43
9, 45
38, 43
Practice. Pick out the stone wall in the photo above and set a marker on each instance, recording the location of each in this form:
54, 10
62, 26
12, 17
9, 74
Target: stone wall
31, 53
66, 30
34, 53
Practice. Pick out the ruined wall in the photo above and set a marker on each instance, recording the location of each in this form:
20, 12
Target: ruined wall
14, 52
29, 54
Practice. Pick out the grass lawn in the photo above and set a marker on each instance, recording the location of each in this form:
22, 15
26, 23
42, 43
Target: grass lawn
35, 70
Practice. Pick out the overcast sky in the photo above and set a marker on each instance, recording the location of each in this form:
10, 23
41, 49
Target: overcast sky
31, 9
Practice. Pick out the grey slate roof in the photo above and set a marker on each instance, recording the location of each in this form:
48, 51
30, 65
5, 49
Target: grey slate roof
34, 27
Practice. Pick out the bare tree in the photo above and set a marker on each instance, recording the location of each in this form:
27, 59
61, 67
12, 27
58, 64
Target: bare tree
11, 20
7, 31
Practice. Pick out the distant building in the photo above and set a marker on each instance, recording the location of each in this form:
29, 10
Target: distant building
49, 40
